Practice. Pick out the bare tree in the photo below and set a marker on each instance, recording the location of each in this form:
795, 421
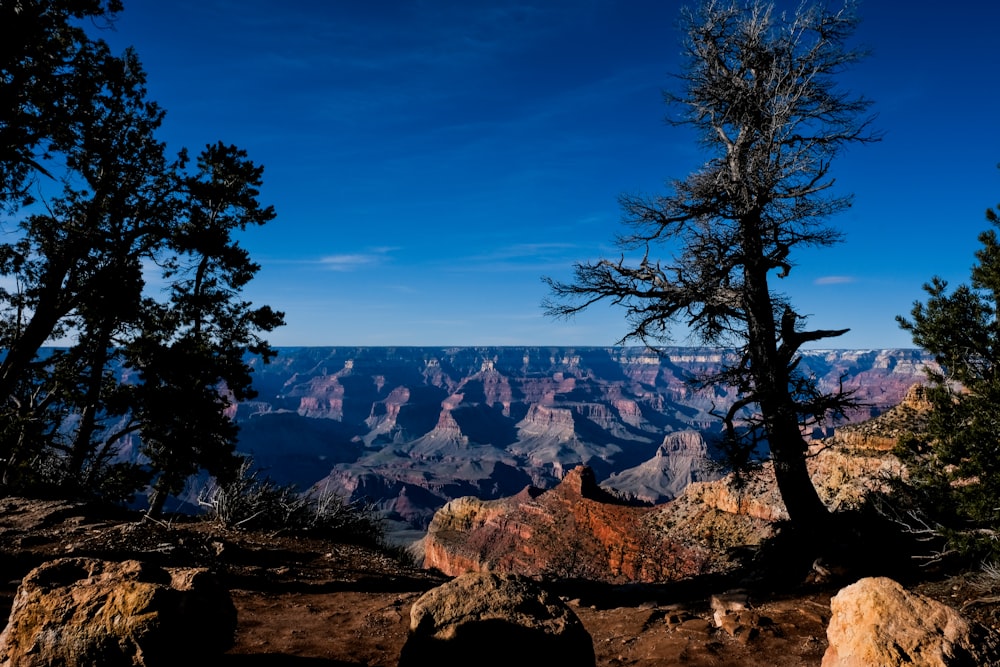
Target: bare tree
758, 87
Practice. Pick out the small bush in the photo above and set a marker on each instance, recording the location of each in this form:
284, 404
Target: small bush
255, 502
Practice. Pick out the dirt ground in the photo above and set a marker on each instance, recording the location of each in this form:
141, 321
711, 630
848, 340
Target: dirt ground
353, 627
310, 602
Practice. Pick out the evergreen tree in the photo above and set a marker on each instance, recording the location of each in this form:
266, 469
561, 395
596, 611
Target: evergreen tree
50, 71
114, 209
955, 467
191, 356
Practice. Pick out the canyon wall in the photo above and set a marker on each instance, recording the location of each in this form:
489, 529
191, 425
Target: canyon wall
410, 429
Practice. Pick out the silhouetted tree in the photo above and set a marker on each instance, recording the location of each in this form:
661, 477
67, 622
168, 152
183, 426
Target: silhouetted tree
77, 265
955, 467
759, 90
191, 355
50, 71
78, 270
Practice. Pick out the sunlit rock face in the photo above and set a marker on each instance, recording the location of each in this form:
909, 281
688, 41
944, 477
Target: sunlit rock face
573, 530
682, 458
86, 611
580, 530
410, 429
875, 621
883, 432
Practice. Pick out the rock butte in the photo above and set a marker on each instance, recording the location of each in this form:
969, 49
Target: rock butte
413, 428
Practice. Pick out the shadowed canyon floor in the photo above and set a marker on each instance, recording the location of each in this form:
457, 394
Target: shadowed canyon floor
412, 428
314, 603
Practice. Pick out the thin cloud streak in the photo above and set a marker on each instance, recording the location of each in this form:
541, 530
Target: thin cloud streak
347, 262
490, 141
352, 261
834, 280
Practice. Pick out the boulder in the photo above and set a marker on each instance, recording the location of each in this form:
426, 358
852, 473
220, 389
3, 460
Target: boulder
876, 621
489, 619
83, 611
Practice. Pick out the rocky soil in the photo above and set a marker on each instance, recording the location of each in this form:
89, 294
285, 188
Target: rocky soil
317, 603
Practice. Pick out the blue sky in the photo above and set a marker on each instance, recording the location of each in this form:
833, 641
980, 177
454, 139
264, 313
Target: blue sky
431, 160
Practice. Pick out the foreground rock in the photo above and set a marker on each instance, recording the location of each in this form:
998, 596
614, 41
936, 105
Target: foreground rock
877, 622
83, 611
489, 619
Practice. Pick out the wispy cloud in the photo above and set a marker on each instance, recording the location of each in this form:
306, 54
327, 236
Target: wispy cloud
354, 261
521, 257
834, 280
527, 251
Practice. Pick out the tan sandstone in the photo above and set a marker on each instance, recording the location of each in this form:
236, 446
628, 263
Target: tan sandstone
877, 622
79, 612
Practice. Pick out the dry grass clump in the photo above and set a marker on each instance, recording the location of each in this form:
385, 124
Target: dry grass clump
253, 501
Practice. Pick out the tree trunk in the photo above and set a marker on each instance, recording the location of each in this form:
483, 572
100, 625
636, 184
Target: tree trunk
47, 313
771, 379
82, 444
157, 499
788, 450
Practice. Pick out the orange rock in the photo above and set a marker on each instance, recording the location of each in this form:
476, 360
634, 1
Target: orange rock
877, 622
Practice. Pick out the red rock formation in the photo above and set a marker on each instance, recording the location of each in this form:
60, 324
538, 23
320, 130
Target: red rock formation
495, 386
628, 410
574, 530
447, 423
578, 529
384, 413
322, 397
545, 416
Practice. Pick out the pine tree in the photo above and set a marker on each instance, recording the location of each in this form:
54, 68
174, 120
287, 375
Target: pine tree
77, 118
955, 467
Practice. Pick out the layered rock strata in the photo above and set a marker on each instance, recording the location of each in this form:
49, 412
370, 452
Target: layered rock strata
422, 426
578, 529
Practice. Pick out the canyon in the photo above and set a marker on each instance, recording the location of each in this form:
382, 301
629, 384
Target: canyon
709, 578
408, 429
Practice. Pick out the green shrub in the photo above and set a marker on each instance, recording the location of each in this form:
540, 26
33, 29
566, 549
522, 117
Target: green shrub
954, 469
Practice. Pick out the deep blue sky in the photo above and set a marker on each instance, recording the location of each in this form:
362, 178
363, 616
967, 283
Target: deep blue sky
431, 160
